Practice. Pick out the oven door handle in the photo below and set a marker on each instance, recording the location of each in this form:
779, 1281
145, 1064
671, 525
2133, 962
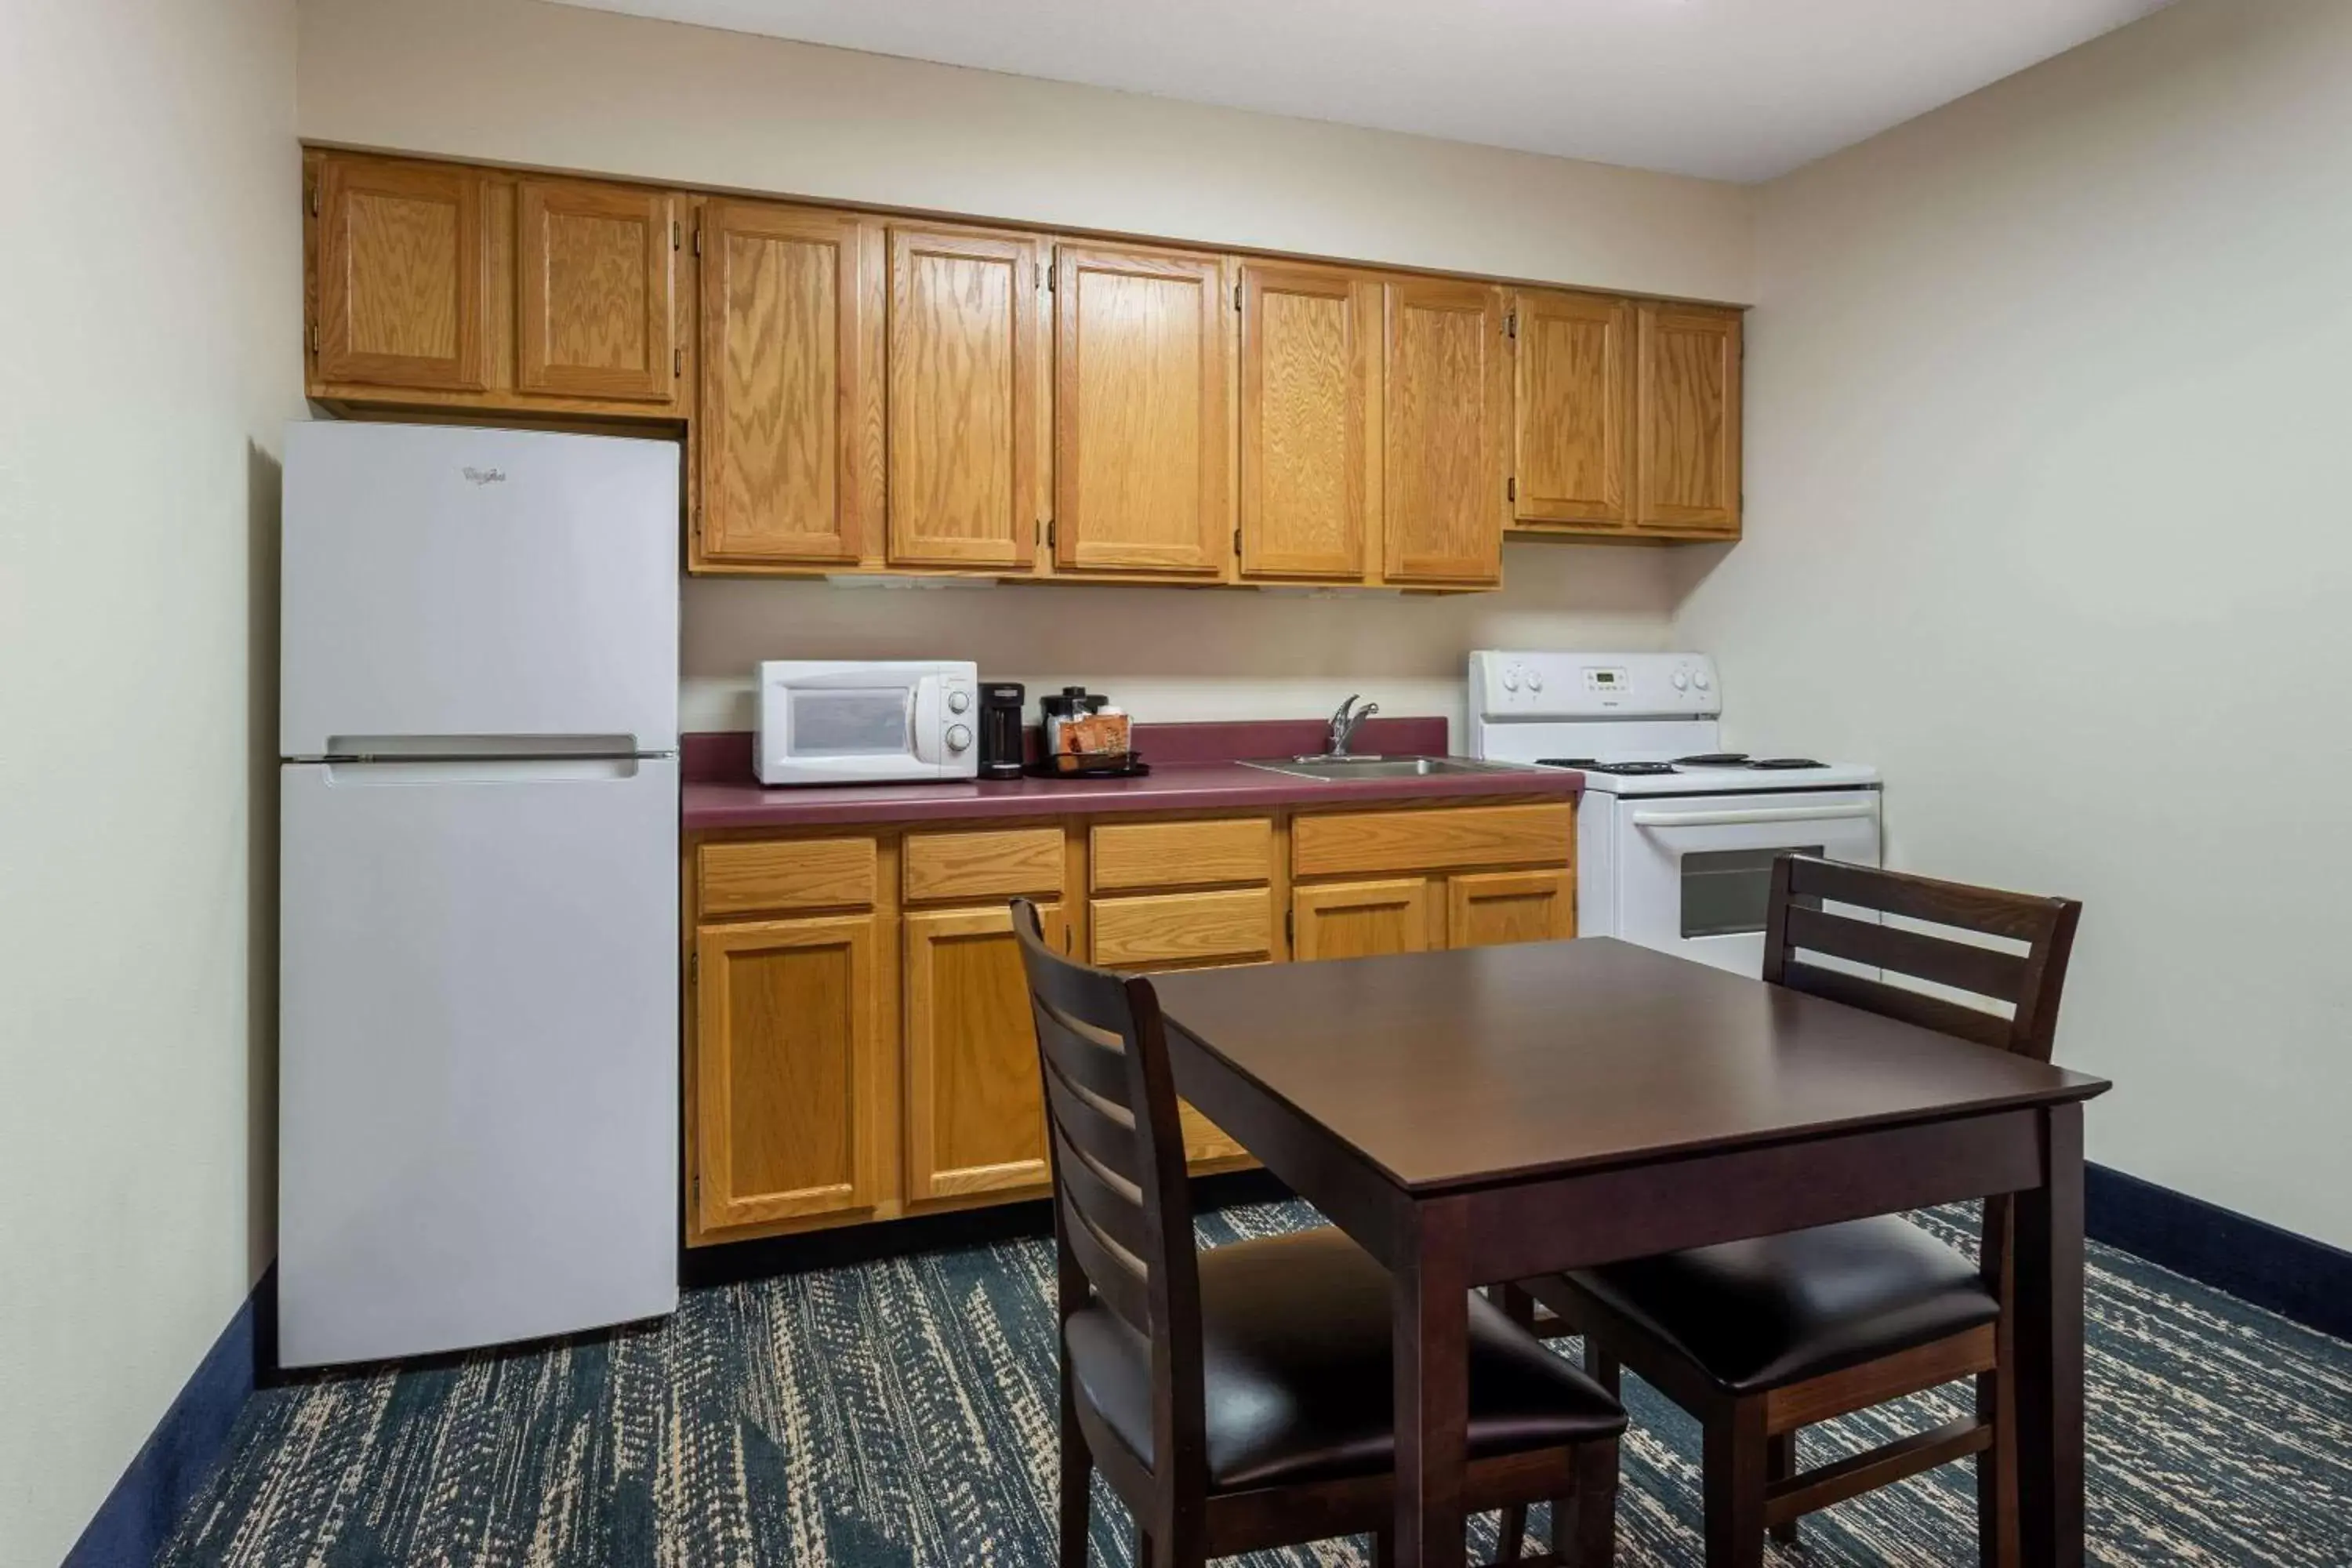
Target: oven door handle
1742, 817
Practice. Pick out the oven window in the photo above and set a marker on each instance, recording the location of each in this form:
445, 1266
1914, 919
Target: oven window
1725, 891
850, 722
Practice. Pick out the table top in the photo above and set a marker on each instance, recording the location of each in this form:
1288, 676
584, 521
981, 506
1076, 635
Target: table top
1456, 1068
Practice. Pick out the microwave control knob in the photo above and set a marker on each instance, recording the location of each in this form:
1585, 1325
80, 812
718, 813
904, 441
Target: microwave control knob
958, 737
958, 701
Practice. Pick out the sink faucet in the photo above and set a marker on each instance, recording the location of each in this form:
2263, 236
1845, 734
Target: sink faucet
1344, 722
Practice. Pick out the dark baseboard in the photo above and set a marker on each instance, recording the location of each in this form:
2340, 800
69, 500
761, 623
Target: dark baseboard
138, 1516
2299, 1278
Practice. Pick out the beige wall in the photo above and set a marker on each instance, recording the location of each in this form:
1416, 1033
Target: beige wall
2046, 513
560, 86
621, 95
151, 354
1175, 653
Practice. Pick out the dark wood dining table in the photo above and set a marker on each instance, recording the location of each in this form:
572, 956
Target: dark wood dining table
1489, 1114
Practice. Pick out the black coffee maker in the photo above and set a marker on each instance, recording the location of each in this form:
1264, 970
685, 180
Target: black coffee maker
1002, 735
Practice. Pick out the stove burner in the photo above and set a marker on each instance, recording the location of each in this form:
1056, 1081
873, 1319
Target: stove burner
1627, 770
1713, 760
1783, 764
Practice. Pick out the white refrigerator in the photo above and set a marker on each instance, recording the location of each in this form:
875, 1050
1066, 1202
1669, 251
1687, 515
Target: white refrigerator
478, 939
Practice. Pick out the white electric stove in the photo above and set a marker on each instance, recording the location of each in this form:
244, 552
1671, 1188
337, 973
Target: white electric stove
1675, 836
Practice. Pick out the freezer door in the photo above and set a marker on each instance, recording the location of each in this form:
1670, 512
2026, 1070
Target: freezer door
478, 1078
448, 581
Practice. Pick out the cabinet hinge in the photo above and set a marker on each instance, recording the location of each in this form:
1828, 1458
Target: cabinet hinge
1511, 325
1511, 487
677, 361
698, 520
693, 960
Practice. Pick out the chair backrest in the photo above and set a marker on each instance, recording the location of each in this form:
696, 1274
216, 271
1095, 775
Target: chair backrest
1122, 1212
2030, 981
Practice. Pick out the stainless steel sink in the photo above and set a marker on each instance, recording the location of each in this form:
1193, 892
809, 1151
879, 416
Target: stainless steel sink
1327, 768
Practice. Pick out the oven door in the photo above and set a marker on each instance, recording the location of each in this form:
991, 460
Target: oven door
1696, 870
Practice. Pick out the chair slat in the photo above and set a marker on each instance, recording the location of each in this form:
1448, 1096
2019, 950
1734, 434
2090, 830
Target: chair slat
1113, 1203
1119, 1277
1090, 1057
1985, 911
1986, 971
1894, 1001
1102, 1129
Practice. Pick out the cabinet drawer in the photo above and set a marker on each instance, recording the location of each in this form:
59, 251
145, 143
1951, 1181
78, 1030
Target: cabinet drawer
989, 864
757, 878
1184, 927
1182, 853
1351, 843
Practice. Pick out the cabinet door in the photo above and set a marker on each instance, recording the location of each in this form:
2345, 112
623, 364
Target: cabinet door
975, 1109
1446, 398
1488, 909
1359, 919
1309, 372
963, 398
400, 275
1690, 419
785, 1086
789, 426
1574, 411
596, 311
1143, 434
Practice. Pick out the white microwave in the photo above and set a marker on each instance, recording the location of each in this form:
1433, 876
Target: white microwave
866, 721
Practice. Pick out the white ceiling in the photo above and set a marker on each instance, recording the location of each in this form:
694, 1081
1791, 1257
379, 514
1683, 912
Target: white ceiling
1732, 90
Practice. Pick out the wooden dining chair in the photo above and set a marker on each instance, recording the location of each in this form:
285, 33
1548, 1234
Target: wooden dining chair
1760, 1339
1241, 1398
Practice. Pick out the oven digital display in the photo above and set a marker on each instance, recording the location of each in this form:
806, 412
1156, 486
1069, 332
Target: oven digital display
1611, 680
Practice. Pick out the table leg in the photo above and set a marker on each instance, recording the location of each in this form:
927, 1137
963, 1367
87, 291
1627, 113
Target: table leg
2049, 1344
1431, 1320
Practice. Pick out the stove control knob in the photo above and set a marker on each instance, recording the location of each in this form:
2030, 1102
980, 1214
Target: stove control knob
1681, 681
1535, 681
1701, 680
958, 738
958, 701
1511, 678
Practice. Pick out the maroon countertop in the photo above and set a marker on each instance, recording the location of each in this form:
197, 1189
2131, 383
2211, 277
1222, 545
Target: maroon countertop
1194, 768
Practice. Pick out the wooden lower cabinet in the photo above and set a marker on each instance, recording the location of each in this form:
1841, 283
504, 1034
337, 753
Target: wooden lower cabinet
1488, 909
975, 1111
785, 1088
1360, 919
859, 1039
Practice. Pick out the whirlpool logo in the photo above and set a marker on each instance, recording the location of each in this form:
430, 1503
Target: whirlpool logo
485, 476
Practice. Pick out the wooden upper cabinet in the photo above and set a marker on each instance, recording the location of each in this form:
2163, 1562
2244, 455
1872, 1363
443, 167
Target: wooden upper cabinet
964, 382
1143, 433
400, 262
1446, 410
786, 1048
595, 297
1689, 419
1574, 414
976, 1108
1309, 381
791, 417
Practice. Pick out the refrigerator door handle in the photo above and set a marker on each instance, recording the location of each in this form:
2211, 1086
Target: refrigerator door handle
369, 773
487, 748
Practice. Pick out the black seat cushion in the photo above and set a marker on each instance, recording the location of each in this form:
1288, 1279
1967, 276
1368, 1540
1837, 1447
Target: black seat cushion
1762, 1314
1296, 1368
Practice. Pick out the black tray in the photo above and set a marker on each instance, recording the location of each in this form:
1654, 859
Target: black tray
1133, 767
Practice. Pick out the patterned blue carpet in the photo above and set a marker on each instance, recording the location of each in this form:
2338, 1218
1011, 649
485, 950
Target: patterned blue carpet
899, 1414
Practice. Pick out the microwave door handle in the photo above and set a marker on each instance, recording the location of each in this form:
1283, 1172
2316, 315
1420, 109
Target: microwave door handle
1752, 814
926, 738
